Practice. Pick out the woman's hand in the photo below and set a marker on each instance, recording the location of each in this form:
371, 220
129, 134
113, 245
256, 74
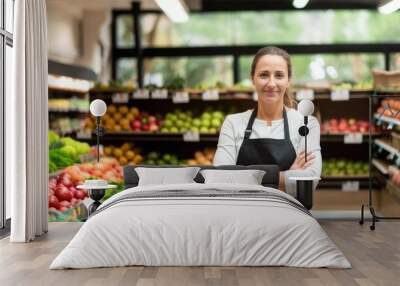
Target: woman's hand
300, 163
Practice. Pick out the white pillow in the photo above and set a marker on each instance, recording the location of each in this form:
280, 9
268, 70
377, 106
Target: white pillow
249, 177
164, 176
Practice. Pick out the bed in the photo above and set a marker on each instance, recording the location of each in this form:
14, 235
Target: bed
201, 224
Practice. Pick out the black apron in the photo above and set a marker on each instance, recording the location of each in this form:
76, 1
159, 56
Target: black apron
267, 151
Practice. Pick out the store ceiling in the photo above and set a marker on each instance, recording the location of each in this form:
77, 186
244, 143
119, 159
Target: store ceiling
215, 5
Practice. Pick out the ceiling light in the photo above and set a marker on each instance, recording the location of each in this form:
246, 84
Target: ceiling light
176, 10
389, 7
299, 4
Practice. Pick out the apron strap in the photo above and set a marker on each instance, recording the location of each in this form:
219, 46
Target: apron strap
249, 127
286, 125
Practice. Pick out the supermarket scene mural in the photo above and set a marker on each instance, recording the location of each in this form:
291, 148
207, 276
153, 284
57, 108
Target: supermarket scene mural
164, 109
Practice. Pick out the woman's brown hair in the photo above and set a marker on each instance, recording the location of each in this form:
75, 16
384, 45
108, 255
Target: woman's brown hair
275, 51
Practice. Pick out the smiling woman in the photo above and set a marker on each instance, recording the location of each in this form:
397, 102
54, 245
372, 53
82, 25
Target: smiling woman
268, 134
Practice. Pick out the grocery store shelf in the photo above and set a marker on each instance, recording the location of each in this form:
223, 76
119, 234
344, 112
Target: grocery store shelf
386, 146
223, 94
341, 137
111, 90
345, 178
381, 166
388, 92
386, 119
68, 111
151, 136
54, 89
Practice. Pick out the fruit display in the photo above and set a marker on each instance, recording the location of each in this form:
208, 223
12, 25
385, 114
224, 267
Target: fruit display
343, 167
144, 122
209, 121
204, 157
64, 198
343, 125
126, 154
122, 118
156, 158
64, 151
390, 108
362, 85
63, 193
72, 104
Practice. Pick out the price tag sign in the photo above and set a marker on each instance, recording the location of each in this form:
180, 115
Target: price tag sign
340, 95
210, 95
255, 96
84, 134
305, 94
120, 98
353, 138
159, 94
141, 94
180, 97
191, 136
351, 186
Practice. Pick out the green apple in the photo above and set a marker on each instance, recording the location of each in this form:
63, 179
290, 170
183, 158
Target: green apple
216, 123
168, 123
203, 129
196, 122
173, 129
205, 123
206, 115
213, 130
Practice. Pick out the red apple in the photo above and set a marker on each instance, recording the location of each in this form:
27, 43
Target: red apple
66, 204
146, 127
152, 119
74, 201
53, 202
136, 124
65, 179
62, 193
153, 127
79, 194
333, 122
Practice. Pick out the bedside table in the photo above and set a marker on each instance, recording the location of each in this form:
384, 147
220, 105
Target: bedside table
96, 193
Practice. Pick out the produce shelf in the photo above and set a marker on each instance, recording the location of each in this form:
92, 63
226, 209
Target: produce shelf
340, 137
381, 166
151, 136
388, 120
346, 178
223, 94
54, 89
386, 146
68, 111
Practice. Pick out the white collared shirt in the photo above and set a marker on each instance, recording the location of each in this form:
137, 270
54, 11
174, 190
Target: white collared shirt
232, 135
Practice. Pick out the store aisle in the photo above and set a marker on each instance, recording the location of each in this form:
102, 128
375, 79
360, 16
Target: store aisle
375, 257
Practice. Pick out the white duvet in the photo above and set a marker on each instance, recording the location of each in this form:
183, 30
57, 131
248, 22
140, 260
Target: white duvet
200, 231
